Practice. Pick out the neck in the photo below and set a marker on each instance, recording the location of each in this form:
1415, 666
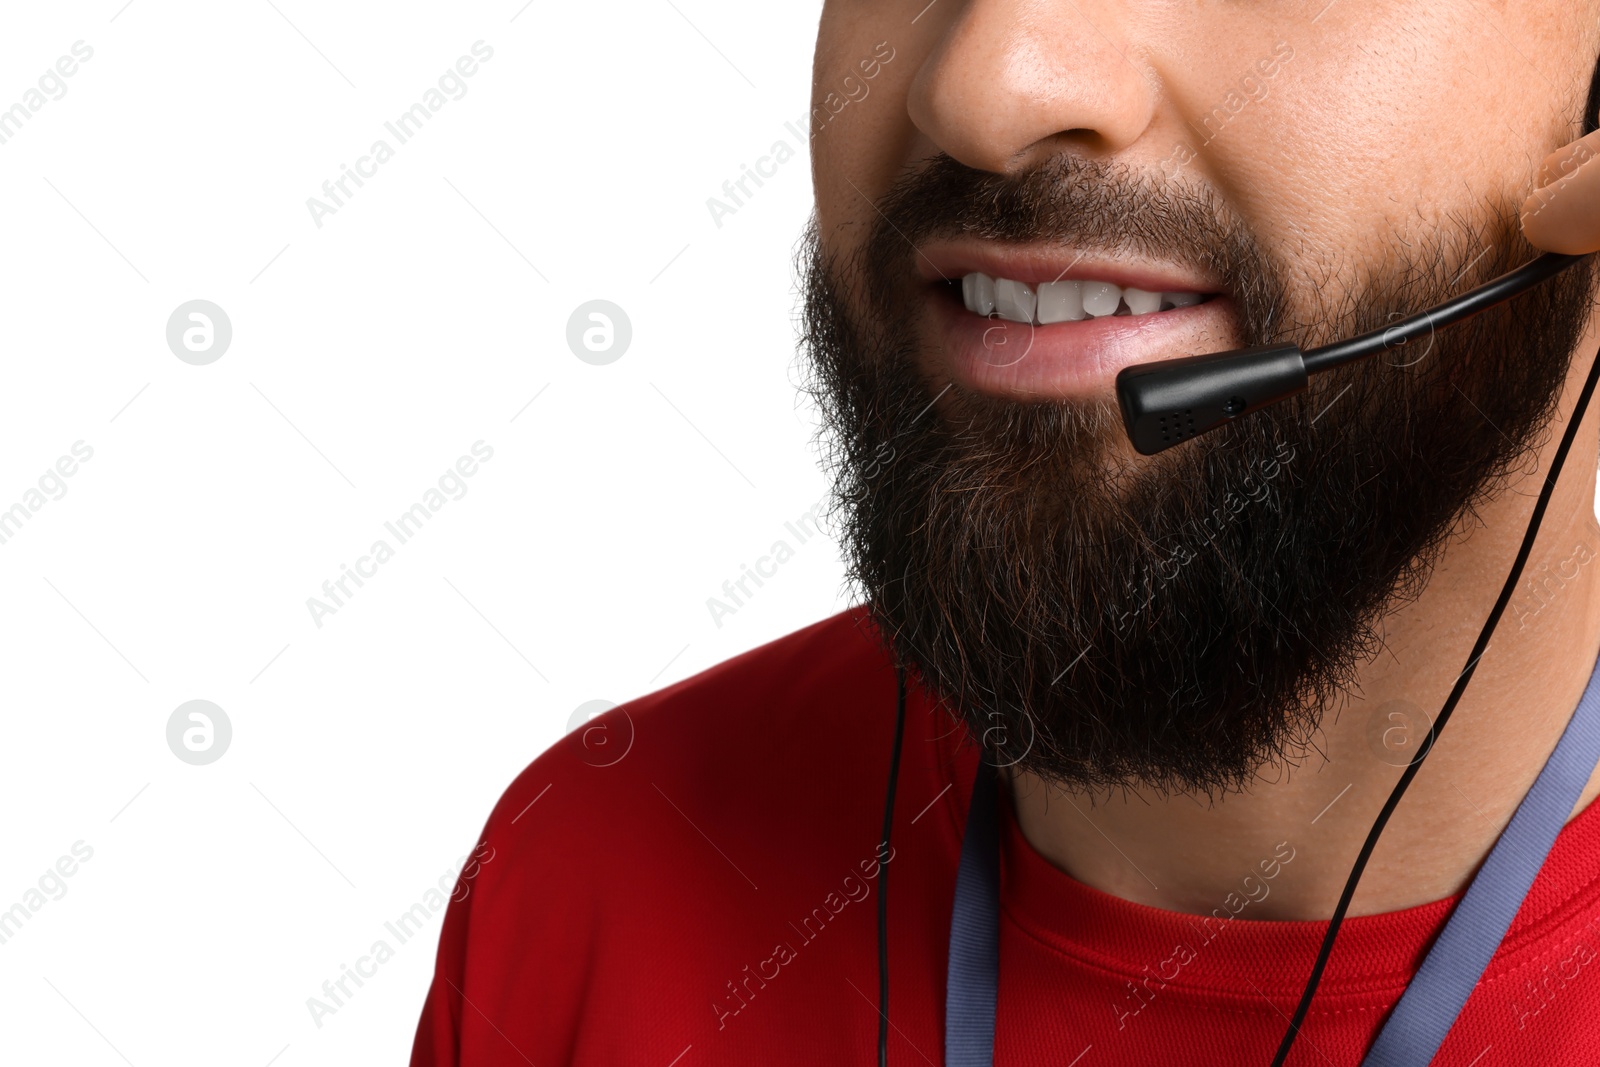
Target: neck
1188, 855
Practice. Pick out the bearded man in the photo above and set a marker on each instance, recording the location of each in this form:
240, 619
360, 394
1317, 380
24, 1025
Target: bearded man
1082, 780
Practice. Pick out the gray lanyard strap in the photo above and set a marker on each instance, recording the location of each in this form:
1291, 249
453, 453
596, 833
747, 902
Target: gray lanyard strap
974, 976
1429, 1006
1419, 1022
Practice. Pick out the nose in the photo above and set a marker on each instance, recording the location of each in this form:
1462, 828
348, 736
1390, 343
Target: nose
1013, 82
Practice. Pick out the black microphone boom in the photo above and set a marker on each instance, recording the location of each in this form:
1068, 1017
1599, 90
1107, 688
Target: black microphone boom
1166, 402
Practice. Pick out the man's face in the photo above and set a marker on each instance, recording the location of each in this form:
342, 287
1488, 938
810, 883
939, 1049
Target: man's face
1118, 182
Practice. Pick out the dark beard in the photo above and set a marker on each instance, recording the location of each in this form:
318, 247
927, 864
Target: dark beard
1179, 622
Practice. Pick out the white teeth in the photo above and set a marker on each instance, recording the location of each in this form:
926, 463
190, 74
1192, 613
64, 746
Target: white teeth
1068, 301
1101, 298
1141, 302
1060, 302
1013, 300
977, 290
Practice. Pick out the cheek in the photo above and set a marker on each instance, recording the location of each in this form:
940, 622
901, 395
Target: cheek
865, 145
1395, 127
1380, 126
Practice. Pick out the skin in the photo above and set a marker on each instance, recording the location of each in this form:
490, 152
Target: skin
1392, 118
1563, 213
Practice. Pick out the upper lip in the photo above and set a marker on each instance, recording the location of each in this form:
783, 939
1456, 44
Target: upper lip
1037, 264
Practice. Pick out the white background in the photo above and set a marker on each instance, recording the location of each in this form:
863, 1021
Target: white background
367, 356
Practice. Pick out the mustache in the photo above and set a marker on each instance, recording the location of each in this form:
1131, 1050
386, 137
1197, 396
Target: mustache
1087, 204
1109, 207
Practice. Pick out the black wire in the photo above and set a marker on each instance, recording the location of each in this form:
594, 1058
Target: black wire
1591, 123
883, 871
1462, 679
1467, 304
1591, 107
1423, 324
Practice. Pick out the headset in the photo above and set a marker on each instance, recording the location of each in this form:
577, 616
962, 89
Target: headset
1167, 402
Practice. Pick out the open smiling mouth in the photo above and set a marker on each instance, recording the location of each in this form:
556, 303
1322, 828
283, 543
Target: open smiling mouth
1064, 301
1040, 323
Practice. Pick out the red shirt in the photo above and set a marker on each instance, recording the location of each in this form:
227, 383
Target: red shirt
693, 880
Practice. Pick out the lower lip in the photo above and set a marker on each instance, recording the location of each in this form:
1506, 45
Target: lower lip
1069, 360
